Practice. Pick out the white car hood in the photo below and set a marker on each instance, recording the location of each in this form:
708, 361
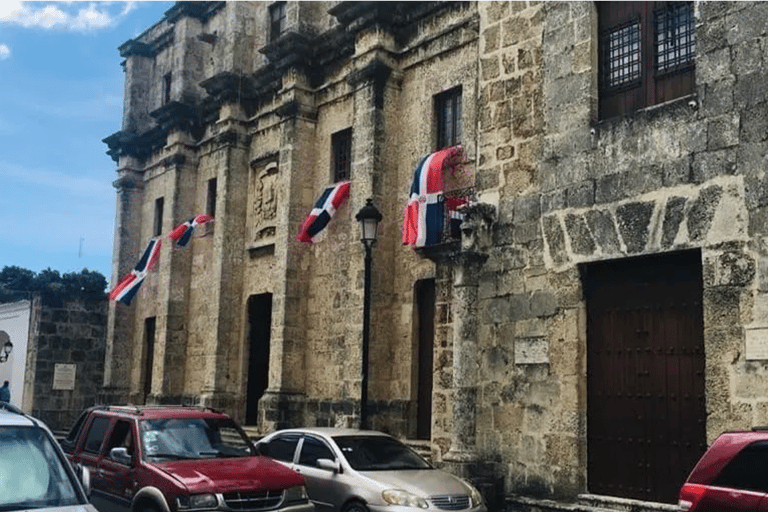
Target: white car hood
421, 482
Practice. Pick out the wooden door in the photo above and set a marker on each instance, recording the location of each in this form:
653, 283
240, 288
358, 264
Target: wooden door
645, 375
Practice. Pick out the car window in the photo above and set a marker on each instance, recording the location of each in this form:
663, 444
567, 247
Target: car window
281, 447
378, 453
313, 449
121, 437
96, 434
747, 471
31, 473
193, 438
69, 442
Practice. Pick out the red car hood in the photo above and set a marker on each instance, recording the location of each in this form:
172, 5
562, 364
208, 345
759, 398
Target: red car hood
231, 474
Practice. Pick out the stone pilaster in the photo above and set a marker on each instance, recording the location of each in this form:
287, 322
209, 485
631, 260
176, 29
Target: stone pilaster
283, 402
120, 319
228, 255
467, 263
174, 267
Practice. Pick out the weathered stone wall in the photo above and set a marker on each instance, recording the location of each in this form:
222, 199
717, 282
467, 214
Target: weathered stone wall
70, 332
676, 176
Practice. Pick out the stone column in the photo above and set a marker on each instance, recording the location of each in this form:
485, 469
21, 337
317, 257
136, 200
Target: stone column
468, 263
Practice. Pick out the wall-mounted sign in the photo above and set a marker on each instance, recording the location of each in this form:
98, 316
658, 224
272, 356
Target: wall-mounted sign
64, 377
756, 344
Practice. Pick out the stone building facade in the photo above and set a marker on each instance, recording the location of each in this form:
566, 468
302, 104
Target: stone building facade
604, 315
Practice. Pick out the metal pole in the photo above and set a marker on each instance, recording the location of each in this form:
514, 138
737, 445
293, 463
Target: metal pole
366, 334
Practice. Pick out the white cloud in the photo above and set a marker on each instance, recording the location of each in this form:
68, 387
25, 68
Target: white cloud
63, 15
5, 51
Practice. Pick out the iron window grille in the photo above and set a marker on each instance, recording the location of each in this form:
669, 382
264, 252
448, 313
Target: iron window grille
675, 37
277, 20
341, 143
622, 57
647, 54
448, 113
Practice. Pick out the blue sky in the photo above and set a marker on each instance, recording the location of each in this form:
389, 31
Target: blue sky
61, 93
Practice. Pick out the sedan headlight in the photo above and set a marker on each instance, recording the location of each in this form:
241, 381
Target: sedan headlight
474, 495
197, 501
403, 498
294, 494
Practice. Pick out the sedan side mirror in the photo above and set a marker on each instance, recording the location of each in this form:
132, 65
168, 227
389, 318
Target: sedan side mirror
120, 454
330, 465
84, 474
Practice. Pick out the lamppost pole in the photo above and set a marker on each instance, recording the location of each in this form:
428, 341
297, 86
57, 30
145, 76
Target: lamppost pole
366, 337
369, 218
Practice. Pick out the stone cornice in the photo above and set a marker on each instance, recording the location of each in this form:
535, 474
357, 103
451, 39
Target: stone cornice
176, 115
134, 47
264, 158
138, 145
198, 10
294, 108
228, 87
377, 71
399, 18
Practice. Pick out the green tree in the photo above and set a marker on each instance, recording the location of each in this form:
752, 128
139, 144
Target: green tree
17, 283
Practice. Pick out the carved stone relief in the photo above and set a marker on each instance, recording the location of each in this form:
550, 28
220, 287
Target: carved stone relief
264, 204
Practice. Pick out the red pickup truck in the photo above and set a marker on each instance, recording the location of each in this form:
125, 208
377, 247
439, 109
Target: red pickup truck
178, 459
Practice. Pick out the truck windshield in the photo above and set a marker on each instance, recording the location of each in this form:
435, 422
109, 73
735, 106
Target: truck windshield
31, 473
192, 438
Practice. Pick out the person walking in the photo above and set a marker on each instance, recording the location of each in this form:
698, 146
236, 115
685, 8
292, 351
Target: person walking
5, 392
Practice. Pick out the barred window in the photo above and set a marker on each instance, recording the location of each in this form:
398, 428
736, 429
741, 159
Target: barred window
647, 54
277, 20
448, 113
675, 37
342, 154
622, 54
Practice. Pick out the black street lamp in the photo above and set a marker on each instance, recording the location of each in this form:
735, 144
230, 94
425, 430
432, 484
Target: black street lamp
369, 218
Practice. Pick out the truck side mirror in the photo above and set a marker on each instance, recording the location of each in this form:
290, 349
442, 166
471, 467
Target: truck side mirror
120, 454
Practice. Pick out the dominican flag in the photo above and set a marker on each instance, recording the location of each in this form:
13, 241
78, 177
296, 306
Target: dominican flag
128, 286
423, 219
330, 200
182, 233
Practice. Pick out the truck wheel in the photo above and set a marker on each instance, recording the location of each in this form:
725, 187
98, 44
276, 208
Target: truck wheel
147, 507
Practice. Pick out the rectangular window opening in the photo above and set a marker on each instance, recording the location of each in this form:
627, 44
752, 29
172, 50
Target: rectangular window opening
210, 200
647, 53
448, 115
341, 143
158, 220
675, 40
276, 20
167, 88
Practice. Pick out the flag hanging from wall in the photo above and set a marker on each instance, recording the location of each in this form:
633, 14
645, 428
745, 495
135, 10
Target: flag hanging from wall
126, 289
330, 200
182, 233
424, 214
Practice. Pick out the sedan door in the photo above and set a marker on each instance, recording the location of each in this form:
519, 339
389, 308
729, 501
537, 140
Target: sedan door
325, 486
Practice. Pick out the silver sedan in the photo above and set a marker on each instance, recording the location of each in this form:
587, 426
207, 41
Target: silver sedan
349, 470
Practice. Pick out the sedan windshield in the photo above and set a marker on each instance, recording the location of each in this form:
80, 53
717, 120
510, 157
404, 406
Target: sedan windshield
378, 453
31, 473
193, 438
